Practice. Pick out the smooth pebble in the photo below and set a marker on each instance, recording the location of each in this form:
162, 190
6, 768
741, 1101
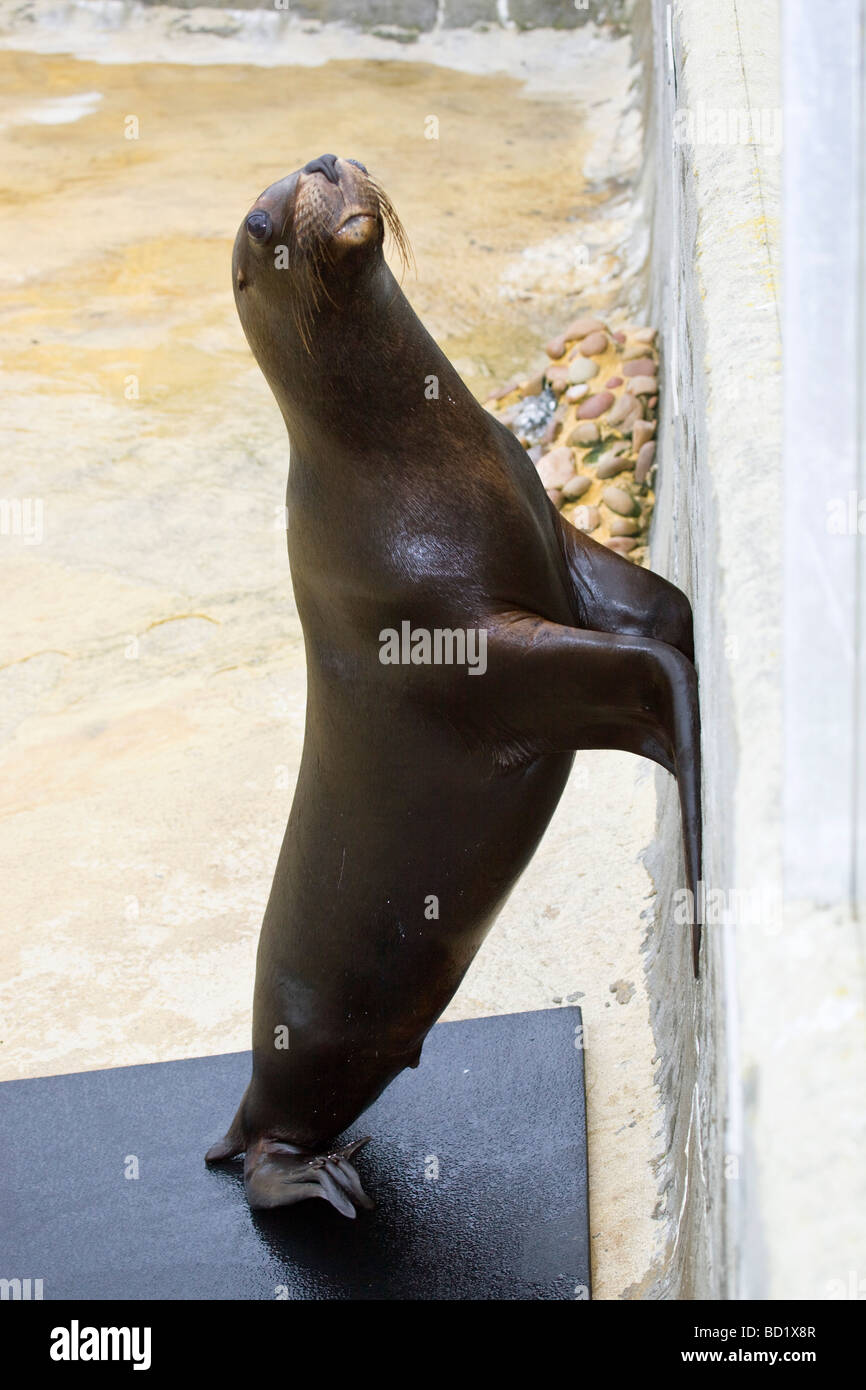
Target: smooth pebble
557, 379
611, 464
593, 344
619, 500
579, 328
624, 526
594, 406
642, 385
576, 486
624, 406
585, 518
641, 366
642, 431
556, 467
584, 433
644, 463
581, 369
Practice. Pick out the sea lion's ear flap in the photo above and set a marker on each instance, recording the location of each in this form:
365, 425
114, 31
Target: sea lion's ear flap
240, 279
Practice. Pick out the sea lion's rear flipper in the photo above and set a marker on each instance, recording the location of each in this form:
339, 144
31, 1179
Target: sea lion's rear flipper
233, 1141
228, 1147
277, 1175
550, 686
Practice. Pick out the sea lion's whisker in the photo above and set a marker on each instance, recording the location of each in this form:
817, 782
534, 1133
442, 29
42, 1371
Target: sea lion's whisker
399, 236
307, 258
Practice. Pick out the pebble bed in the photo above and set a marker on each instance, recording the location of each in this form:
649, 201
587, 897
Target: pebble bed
588, 422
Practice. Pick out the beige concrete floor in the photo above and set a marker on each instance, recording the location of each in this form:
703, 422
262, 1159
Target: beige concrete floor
151, 664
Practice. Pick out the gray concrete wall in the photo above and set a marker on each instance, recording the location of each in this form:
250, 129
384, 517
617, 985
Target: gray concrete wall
408, 17
714, 279
688, 1017
763, 1059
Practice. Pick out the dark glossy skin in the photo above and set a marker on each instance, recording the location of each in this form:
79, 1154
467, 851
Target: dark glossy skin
415, 780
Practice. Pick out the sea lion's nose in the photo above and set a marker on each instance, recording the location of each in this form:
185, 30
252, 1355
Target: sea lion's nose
326, 164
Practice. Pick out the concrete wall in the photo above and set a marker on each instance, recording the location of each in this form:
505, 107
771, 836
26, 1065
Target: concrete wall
687, 1016
761, 1061
408, 17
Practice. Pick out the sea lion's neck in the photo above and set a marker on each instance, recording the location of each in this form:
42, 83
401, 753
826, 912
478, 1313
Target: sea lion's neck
374, 382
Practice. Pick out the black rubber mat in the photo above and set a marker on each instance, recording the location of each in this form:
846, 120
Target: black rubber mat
477, 1165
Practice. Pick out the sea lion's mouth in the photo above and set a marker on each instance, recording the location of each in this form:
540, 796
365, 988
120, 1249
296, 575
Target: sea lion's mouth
356, 220
359, 226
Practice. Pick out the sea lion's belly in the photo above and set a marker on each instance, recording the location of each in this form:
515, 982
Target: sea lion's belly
401, 847
401, 867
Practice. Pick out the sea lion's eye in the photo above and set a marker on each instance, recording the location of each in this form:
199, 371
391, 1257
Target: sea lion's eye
358, 165
259, 226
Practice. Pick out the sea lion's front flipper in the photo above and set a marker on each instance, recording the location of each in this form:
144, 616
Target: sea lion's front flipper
550, 686
277, 1175
611, 594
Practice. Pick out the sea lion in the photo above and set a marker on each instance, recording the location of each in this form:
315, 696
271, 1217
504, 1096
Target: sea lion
424, 788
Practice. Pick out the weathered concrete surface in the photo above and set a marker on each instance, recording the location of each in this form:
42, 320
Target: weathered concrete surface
151, 669
762, 1058
405, 19
715, 262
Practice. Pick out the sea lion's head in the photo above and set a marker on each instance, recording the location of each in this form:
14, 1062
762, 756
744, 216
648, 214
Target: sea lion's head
310, 241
